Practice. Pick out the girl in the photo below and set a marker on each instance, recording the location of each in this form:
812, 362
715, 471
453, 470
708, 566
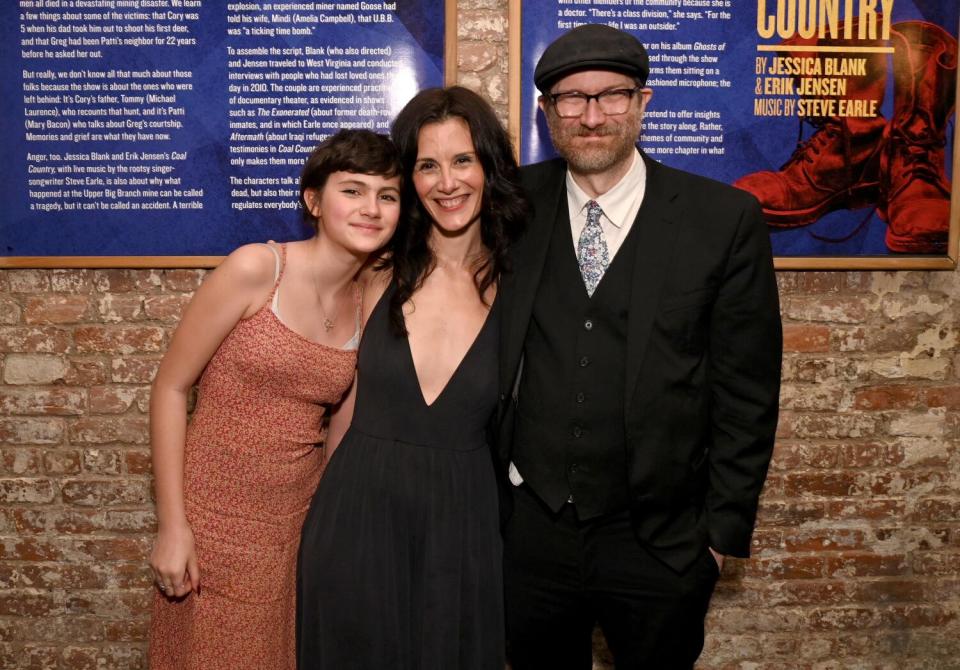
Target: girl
274, 332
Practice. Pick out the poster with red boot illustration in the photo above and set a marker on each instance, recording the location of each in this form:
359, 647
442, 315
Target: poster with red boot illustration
839, 117
894, 166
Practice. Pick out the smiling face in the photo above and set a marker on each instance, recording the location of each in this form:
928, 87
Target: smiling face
359, 212
447, 175
594, 142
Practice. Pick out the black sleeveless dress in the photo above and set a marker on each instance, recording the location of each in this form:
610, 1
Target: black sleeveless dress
400, 558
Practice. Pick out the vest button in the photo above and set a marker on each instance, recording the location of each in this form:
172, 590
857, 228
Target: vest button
581, 397
577, 431
588, 324
584, 361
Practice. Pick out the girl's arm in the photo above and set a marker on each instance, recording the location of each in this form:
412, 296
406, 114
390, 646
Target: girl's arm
235, 290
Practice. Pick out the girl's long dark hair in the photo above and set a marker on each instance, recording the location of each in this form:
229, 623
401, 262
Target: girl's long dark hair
503, 208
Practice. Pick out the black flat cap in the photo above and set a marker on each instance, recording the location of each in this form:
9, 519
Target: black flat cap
591, 47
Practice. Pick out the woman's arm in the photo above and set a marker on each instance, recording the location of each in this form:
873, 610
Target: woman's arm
233, 291
374, 285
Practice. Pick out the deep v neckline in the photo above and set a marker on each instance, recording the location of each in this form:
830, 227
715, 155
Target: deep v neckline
456, 370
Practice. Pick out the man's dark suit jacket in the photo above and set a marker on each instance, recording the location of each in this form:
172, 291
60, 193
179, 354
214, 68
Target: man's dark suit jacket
703, 355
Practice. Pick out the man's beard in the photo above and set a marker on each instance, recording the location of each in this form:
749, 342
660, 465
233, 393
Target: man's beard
593, 159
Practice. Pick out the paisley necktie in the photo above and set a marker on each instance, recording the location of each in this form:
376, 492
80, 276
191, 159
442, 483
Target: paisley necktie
592, 251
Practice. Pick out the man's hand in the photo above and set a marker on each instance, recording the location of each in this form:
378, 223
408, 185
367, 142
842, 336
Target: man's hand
718, 557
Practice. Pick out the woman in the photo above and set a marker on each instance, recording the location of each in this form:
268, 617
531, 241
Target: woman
273, 331
400, 563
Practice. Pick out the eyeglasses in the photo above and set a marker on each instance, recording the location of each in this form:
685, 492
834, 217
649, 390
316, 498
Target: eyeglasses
613, 102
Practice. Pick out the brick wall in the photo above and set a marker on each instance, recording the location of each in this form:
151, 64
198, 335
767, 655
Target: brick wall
856, 559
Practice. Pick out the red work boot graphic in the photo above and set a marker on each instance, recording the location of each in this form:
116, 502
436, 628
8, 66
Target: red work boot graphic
915, 193
838, 167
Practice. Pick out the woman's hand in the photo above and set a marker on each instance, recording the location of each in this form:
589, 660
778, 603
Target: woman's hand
174, 561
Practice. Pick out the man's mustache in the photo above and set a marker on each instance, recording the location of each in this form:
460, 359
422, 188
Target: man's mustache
595, 132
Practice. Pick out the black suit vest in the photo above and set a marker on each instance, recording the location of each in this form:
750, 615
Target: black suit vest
570, 439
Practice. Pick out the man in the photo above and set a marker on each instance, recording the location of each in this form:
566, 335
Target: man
639, 390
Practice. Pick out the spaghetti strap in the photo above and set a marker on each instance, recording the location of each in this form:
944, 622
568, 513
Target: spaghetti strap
358, 293
281, 264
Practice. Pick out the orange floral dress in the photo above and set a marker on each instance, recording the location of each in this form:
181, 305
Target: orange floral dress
251, 468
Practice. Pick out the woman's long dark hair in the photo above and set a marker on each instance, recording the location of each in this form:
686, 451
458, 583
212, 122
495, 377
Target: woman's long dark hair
503, 208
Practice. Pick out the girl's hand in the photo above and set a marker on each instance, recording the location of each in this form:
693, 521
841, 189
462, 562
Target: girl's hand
174, 561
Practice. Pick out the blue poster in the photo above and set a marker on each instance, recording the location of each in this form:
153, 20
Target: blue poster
838, 116
179, 127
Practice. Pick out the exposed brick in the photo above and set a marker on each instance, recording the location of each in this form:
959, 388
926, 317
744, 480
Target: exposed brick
31, 430
122, 281
55, 401
476, 56
805, 484
824, 540
29, 657
112, 399
113, 657
86, 371
131, 521
102, 461
27, 490
62, 461
9, 311
786, 567
871, 509
834, 426
862, 564
134, 369
848, 338
947, 397
138, 461
937, 509
108, 429
28, 281
811, 397
27, 604
927, 424
166, 308
793, 455
119, 307
804, 338
87, 492
182, 281
22, 462
128, 630
789, 513
904, 304
901, 335
857, 455
70, 281
915, 616
56, 308
34, 340
899, 396
803, 369
34, 368
481, 25
945, 563
119, 339
904, 481
826, 309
